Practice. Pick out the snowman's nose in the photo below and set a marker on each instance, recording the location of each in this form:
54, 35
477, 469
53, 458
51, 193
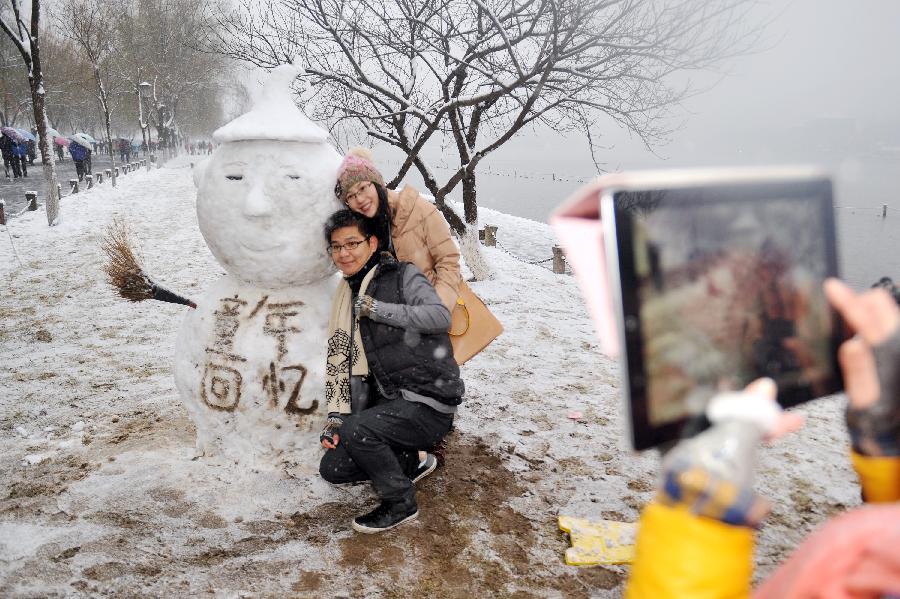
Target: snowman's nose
257, 202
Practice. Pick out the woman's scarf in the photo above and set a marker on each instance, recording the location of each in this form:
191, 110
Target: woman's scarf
340, 349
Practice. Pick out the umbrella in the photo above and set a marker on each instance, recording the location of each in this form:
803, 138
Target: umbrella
26, 134
53, 132
12, 133
83, 139
61, 141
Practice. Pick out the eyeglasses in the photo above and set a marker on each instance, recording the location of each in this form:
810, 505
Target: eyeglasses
350, 246
352, 196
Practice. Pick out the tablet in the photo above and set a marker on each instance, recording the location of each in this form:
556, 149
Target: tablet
718, 276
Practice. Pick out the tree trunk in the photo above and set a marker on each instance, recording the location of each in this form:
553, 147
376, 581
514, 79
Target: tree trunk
469, 243
102, 92
48, 157
109, 145
36, 82
470, 202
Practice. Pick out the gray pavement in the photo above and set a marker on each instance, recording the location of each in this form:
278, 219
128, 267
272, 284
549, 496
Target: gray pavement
12, 191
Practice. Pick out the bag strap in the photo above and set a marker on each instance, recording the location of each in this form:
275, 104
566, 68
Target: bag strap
460, 303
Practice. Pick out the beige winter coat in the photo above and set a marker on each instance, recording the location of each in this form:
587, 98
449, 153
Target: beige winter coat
421, 235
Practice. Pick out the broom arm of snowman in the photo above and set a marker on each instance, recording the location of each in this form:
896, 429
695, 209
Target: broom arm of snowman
125, 273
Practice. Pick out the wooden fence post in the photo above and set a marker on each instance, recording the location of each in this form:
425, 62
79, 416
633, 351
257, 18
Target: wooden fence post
99, 178
74, 184
116, 172
2, 212
31, 198
559, 260
108, 173
490, 235
89, 179
884, 211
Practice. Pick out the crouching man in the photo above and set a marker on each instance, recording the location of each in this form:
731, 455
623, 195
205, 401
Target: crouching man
392, 383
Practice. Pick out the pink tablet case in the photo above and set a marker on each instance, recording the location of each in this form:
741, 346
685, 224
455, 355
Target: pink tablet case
577, 225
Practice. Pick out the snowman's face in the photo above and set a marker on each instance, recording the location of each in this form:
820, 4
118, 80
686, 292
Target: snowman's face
262, 206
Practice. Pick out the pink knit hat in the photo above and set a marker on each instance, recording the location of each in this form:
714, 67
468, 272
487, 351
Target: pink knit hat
356, 167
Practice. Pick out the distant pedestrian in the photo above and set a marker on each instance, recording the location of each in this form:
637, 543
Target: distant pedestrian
79, 154
59, 151
6, 150
20, 151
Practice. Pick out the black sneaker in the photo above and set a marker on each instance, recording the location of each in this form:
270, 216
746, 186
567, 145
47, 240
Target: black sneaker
386, 516
425, 469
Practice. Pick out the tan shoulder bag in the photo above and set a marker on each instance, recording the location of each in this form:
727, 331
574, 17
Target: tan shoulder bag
473, 326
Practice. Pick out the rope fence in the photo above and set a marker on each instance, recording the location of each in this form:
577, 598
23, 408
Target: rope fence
489, 236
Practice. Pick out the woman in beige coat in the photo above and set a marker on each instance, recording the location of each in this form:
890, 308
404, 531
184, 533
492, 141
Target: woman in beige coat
418, 232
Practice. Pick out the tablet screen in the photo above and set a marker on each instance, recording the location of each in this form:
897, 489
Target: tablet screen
722, 285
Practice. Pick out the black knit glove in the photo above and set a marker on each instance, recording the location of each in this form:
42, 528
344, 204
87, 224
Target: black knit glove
366, 306
331, 428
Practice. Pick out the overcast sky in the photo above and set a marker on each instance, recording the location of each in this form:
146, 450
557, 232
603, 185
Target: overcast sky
826, 59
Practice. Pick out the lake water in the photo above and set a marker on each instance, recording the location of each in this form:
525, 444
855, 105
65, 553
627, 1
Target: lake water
868, 244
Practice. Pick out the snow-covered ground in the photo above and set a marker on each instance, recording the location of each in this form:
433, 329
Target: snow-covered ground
100, 493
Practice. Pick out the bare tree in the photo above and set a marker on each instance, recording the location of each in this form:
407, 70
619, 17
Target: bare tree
25, 35
163, 40
477, 72
15, 101
87, 24
70, 102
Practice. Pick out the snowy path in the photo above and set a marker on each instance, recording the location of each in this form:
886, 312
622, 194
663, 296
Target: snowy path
100, 495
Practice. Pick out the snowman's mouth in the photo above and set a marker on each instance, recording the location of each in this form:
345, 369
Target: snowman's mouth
261, 246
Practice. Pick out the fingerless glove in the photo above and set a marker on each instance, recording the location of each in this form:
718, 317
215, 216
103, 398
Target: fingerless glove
332, 426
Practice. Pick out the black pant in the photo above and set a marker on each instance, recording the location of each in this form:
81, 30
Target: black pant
23, 163
381, 444
79, 169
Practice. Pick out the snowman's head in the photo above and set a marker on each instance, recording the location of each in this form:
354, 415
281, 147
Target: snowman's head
261, 206
265, 194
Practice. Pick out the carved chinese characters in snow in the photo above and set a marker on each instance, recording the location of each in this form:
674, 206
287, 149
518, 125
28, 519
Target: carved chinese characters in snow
221, 384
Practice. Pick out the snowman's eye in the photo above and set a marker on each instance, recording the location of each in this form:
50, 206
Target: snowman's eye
234, 177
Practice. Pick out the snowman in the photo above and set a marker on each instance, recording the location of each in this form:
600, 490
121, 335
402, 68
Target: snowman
251, 358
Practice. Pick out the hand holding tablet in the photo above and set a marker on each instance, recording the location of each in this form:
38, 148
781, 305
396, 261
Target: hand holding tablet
714, 279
